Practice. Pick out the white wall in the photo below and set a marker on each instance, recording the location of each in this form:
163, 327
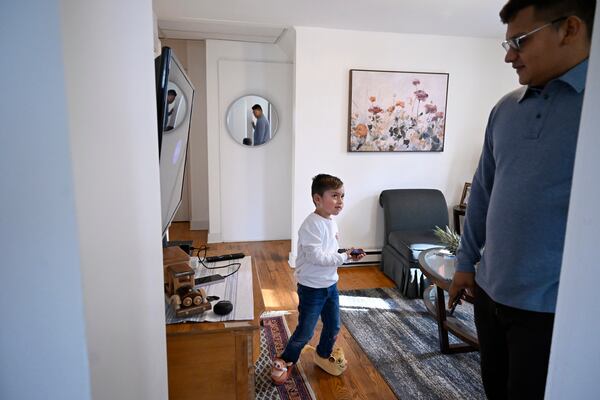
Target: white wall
157, 43
109, 72
287, 42
249, 188
478, 78
575, 357
255, 181
43, 350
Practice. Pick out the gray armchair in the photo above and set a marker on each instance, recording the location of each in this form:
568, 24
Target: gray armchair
410, 215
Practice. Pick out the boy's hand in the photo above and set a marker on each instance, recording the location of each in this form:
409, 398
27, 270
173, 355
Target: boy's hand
355, 257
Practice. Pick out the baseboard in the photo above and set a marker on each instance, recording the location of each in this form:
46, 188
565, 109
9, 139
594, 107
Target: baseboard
369, 259
198, 225
214, 237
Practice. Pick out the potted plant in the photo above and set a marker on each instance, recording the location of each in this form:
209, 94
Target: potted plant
449, 238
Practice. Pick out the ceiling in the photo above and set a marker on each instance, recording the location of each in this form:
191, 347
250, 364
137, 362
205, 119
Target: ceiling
265, 20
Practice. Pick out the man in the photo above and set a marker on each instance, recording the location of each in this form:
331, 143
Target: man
519, 199
171, 94
262, 129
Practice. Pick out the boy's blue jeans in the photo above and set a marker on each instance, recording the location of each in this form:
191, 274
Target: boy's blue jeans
314, 303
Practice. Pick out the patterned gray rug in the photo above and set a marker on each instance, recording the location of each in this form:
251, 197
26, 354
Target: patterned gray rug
401, 340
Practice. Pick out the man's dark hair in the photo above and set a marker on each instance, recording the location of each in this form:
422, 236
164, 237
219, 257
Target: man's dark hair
171, 92
549, 10
323, 182
257, 107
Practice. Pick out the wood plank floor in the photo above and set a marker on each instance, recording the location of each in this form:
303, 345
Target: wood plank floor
361, 380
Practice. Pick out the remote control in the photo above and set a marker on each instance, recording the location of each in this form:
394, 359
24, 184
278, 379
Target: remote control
208, 280
225, 257
456, 301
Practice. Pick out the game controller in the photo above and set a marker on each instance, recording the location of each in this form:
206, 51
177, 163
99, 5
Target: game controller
357, 252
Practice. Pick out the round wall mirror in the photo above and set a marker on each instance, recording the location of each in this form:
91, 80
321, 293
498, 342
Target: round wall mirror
252, 120
176, 107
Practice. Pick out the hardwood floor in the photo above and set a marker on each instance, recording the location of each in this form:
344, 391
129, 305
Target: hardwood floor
361, 380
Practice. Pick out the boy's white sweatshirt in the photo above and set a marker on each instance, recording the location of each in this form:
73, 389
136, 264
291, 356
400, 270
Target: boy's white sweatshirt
318, 260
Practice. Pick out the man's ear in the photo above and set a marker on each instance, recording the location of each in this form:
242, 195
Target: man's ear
572, 29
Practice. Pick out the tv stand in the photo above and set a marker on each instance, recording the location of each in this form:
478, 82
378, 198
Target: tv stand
213, 360
185, 245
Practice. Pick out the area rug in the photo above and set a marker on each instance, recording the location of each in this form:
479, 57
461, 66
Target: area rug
273, 338
401, 340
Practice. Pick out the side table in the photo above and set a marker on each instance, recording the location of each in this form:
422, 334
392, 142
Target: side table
457, 212
440, 269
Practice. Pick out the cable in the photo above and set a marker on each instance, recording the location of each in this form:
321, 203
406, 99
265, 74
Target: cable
202, 247
201, 260
205, 248
239, 265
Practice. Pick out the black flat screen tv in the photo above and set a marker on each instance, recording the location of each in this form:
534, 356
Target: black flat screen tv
174, 101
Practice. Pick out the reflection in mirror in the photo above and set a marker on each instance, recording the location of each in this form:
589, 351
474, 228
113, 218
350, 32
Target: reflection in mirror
252, 120
176, 106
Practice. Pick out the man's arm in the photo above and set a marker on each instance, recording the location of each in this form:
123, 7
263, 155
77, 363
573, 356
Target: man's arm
261, 129
473, 237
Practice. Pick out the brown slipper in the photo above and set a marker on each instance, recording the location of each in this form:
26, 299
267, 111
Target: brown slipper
281, 371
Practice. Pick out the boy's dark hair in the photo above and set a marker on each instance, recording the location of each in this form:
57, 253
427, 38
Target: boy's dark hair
323, 182
171, 92
257, 107
549, 10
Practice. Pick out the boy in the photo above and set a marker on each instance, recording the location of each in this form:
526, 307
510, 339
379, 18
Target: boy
316, 273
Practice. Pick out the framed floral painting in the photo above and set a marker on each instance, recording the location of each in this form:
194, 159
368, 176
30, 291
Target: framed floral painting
392, 111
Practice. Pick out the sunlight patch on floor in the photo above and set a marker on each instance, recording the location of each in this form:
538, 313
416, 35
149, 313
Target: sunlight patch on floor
355, 309
355, 302
279, 298
271, 298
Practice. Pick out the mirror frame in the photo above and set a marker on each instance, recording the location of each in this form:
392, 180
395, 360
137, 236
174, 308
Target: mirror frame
274, 128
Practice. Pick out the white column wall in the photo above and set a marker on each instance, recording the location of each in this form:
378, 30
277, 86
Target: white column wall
43, 351
109, 71
575, 356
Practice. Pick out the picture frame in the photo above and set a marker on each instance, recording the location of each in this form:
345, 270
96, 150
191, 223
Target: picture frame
466, 193
397, 111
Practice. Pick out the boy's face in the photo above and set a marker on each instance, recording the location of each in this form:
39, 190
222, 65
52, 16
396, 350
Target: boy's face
331, 203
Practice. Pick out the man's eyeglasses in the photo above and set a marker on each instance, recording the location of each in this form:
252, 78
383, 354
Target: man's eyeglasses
517, 42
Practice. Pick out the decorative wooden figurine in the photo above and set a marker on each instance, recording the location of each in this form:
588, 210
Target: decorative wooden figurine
179, 287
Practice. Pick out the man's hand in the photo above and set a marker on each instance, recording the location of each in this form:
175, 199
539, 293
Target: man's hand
461, 280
